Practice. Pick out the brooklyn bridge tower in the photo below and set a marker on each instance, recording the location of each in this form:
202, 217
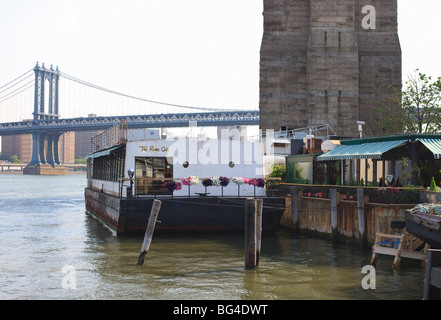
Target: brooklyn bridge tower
327, 62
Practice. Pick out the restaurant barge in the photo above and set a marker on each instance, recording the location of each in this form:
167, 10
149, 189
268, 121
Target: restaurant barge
200, 182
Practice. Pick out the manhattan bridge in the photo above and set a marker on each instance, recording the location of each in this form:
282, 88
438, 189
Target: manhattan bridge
34, 102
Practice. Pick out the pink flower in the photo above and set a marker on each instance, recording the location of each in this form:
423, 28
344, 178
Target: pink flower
186, 182
351, 197
309, 194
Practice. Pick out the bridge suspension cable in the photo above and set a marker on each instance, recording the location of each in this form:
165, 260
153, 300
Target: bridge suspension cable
10, 82
91, 85
16, 98
9, 90
13, 93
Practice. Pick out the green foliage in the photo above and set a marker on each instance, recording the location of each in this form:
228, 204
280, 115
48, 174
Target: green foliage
14, 159
338, 182
421, 102
361, 182
415, 109
279, 172
433, 186
326, 181
351, 183
80, 161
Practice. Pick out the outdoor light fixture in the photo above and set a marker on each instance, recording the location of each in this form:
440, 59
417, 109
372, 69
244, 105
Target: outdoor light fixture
131, 173
360, 127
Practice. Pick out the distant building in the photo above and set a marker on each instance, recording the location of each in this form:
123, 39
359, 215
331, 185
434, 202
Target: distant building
83, 142
21, 146
67, 147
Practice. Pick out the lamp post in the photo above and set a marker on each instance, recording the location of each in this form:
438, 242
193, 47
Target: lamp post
130, 173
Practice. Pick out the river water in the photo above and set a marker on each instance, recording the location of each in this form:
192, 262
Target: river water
50, 248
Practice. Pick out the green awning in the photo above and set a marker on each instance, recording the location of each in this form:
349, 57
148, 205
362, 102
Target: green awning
434, 145
369, 150
101, 153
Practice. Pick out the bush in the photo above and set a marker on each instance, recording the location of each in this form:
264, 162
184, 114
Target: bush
433, 186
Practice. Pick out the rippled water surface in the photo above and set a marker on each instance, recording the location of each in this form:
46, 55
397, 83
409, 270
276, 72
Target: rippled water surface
44, 228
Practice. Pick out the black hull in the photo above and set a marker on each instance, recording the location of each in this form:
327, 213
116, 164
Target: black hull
129, 216
425, 227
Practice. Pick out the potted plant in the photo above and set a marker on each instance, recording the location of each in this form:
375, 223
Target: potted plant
224, 181
191, 180
239, 182
172, 185
207, 182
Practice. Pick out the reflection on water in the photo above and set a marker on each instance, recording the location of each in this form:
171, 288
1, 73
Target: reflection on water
43, 227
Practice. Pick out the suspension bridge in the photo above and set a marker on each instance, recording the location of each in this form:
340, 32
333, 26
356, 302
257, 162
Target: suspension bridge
32, 104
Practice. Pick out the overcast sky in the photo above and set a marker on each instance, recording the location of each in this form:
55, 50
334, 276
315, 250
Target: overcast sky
193, 52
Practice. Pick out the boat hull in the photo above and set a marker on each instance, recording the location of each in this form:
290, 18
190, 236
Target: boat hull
128, 216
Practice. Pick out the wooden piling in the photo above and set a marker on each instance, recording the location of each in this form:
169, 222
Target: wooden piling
294, 207
250, 233
361, 216
334, 218
259, 212
432, 281
149, 231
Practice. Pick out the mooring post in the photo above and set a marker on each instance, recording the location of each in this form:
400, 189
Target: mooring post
259, 212
250, 233
432, 281
149, 231
361, 216
294, 207
334, 218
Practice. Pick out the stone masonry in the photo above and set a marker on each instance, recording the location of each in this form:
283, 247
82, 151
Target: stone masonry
327, 62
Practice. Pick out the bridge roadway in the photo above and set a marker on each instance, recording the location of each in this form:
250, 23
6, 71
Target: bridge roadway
202, 119
21, 166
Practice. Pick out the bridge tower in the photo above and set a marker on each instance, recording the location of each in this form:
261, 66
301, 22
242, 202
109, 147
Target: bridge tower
46, 107
328, 62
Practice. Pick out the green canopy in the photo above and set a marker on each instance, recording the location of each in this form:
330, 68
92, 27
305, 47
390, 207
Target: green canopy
368, 150
434, 145
101, 153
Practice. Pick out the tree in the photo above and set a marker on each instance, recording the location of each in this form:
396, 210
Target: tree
417, 109
14, 159
421, 102
386, 117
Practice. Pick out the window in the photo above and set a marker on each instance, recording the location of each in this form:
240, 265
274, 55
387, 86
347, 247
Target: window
109, 167
150, 173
